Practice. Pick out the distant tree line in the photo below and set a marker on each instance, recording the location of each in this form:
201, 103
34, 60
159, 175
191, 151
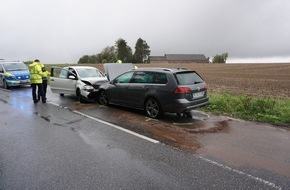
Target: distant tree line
120, 51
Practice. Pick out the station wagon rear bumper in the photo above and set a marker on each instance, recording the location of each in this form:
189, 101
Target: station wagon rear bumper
183, 105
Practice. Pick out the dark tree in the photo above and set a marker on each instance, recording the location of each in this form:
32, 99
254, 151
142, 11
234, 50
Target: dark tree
142, 51
220, 58
108, 55
84, 59
124, 52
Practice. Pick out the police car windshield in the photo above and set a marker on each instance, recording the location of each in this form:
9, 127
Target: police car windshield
14, 66
87, 73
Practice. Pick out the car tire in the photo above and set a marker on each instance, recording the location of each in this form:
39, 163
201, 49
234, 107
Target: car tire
103, 98
6, 86
152, 108
61, 94
187, 115
79, 96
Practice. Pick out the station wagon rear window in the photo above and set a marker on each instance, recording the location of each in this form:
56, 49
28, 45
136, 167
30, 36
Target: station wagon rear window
187, 78
149, 77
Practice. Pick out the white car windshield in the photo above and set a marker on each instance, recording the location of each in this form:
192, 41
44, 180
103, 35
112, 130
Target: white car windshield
88, 72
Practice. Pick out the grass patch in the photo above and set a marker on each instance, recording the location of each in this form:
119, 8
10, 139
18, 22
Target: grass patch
262, 109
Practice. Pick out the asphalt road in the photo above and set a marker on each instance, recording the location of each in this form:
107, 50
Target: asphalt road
64, 145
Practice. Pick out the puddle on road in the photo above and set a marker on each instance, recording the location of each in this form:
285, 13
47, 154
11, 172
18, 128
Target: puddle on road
176, 131
77, 106
249, 144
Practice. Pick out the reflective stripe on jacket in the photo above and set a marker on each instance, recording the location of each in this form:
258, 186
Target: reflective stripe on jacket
35, 73
45, 74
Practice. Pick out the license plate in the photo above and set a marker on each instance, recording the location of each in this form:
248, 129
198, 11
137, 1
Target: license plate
197, 95
24, 81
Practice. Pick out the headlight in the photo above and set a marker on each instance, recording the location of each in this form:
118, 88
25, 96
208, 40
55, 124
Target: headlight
88, 88
11, 77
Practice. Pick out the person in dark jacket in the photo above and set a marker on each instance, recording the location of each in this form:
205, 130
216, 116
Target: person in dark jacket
45, 81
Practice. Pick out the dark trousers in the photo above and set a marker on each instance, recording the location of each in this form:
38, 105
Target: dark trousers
44, 86
39, 87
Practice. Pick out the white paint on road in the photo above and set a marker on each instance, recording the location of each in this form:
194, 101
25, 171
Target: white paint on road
242, 173
117, 127
110, 124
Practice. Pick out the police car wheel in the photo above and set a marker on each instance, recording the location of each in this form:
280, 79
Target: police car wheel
6, 86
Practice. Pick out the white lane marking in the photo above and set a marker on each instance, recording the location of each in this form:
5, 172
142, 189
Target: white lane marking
240, 172
110, 124
117, 127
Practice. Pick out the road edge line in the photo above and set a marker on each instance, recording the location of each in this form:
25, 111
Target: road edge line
118, 127
241, 173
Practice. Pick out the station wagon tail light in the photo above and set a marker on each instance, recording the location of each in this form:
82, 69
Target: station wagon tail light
182, 90
205, 86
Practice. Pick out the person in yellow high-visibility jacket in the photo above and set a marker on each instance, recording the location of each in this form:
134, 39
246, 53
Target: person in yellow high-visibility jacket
36, 80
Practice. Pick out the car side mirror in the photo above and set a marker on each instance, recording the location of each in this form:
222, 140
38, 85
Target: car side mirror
114, 82
73, 77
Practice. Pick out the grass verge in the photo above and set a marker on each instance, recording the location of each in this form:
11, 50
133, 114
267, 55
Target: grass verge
262, 109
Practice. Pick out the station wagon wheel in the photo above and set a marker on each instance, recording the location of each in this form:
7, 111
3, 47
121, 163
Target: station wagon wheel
153, 108
103, 98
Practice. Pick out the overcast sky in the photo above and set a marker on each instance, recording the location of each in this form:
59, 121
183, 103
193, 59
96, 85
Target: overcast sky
62, 31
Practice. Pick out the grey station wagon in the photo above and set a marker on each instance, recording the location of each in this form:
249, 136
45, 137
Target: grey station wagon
156, 90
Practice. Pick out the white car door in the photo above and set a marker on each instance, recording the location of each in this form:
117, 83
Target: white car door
64, 82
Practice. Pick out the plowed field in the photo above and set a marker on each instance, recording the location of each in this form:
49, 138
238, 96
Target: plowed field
271, 80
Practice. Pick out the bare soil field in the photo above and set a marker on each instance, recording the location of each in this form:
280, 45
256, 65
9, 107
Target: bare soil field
267, 80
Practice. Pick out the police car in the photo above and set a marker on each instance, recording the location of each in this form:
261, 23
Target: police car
13, 73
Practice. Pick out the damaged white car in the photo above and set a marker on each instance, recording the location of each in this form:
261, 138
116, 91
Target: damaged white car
82, 81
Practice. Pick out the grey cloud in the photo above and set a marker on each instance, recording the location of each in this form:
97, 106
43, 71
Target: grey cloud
59, 31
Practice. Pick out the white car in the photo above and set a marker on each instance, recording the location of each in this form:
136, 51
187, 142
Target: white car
82, 81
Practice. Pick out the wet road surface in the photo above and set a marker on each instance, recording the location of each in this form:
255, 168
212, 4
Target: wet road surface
246, 146
236, 142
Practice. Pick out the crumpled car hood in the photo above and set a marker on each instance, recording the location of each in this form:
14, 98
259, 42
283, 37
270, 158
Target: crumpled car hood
94, 80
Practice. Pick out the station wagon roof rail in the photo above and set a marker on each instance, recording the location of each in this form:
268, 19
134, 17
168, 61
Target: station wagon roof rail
160, 68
